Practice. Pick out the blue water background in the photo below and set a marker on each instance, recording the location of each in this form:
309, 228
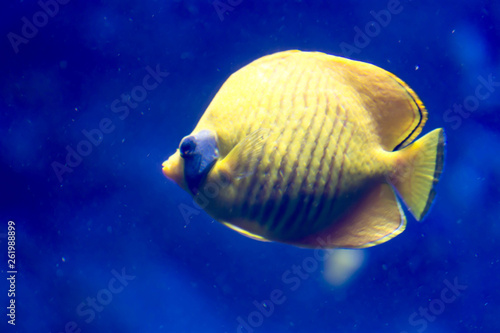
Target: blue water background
116, 212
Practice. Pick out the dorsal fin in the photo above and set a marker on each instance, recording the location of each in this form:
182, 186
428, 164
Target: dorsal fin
398, 113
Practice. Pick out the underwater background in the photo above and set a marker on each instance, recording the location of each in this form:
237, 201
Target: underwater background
101, 243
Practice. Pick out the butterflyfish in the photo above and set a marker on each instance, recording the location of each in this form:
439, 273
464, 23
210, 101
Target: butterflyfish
312, 150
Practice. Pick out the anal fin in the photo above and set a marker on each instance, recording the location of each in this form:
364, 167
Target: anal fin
375, 219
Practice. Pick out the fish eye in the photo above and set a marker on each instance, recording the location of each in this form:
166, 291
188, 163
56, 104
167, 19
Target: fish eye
187, 146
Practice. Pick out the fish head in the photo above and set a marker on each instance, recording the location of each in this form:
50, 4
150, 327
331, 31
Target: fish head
193, 160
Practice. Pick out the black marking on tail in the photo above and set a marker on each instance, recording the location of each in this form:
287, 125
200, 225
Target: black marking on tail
400, 145
437, 171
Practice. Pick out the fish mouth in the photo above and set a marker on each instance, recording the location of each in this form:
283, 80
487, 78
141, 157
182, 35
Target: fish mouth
167, 169
173, 169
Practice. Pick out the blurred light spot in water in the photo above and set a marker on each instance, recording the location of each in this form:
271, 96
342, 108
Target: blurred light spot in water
471, 45
342, 264
470, 49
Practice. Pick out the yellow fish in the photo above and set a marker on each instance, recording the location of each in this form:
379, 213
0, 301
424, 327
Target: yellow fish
309, 149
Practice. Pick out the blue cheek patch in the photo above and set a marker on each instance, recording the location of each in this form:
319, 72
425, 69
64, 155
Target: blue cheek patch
200, 153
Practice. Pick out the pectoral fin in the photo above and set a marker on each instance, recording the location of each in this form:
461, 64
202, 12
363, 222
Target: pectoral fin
242, 160
246, 233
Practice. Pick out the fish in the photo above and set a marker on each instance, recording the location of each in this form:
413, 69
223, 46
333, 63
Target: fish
312, 150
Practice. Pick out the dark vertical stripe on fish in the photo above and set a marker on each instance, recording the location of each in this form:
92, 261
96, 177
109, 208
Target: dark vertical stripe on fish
288, 219
331, 166
341, 170
329, 209
303, 197
310, 213
273, 222
257, 184
248, 193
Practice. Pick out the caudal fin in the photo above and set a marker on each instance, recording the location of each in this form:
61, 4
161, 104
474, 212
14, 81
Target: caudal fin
417, 171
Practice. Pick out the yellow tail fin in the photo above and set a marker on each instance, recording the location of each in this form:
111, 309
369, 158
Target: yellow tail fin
417, 171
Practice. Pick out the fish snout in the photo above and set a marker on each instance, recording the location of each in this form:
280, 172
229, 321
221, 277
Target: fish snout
173, 169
